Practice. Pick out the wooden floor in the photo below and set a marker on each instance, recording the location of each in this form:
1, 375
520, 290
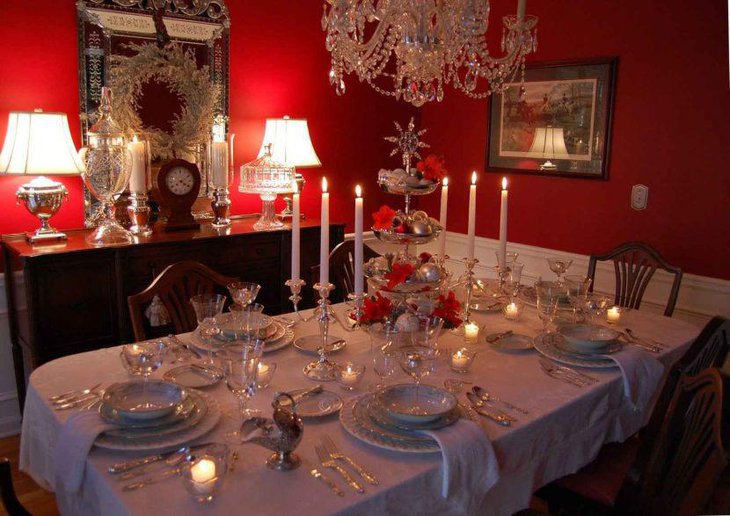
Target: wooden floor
34, 498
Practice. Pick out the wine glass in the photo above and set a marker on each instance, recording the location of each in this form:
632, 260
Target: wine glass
384, 340
595, 305
559, 266
207, 307
244, 292
577, 288
241, 374
243, 315
143, 359
428, 330
548, 295
417, 362
512, 277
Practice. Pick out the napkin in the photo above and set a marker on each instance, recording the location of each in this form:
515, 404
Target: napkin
75, 440
469, 468
641, 374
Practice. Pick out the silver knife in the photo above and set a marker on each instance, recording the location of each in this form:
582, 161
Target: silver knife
187, 347
307, 393
121, 467
153, 478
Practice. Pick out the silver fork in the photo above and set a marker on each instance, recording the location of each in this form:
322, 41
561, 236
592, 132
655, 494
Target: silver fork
328, 462
486, 396
551, 370
335, 453
569, 370
71, 394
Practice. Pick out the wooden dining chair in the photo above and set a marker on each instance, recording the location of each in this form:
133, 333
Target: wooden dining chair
174, 287
635, 263
7, 492
614, 475
342, 268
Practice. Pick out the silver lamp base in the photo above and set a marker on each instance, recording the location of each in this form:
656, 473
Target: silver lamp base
43, 197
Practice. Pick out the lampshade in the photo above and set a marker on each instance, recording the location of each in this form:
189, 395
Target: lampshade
290, 142
549, 142
39, 143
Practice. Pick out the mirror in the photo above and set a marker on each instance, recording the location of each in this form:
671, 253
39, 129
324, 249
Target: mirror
113, 32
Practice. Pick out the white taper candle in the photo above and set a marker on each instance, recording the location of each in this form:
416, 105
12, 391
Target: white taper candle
324, 240
295, 224
442, 216
503, 224
471, 229
358, 242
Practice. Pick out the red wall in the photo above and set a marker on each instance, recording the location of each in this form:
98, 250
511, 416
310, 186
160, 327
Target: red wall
278, 66
670, 132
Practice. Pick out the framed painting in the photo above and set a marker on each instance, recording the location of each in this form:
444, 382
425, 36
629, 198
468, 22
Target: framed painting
561, 126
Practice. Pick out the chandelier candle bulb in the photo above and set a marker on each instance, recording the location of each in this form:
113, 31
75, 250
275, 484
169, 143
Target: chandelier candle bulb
324, 240
613, 315
138, 178
503, 224
442, 217
358, 242
472, 216
295, 224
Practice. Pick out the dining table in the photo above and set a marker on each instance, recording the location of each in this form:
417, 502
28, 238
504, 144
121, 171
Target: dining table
561, 428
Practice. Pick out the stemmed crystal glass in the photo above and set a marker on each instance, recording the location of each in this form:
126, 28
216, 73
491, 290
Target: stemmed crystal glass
143, 359
559, 266
241, 371
417, 362
244, 314
577, 288
595, 305
548, 295
512, 277
428, 331
207, 307
244, 292
384, 341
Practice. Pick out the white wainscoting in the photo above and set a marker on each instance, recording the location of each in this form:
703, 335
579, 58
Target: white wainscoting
9, 412
700, 297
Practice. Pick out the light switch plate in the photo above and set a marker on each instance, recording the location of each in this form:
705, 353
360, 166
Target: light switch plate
639, 197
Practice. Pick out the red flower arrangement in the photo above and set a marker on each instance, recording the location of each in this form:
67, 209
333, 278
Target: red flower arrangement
399, 273
383, 218
376, 309
448, 308
433, 168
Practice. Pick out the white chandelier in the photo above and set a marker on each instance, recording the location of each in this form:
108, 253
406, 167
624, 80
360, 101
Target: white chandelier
412, 48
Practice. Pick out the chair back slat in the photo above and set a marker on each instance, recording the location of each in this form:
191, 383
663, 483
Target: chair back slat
634, 266
174, 286
342, 267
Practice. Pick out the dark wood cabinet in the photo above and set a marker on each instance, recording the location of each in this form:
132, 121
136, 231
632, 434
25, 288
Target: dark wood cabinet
69, 297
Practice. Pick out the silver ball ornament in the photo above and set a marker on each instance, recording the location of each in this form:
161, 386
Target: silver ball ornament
420, 228
430, 272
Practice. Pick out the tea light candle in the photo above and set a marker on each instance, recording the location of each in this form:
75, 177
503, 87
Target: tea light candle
202, 474
350, 375
613, 315
471, 332
265, 373
460, 359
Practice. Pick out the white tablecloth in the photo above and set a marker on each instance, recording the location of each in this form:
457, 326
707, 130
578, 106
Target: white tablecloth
564, 430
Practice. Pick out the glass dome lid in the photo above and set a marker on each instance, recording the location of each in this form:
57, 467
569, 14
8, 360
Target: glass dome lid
266, 175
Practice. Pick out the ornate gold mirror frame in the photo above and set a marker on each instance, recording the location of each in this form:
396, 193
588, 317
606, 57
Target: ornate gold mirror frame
120, 47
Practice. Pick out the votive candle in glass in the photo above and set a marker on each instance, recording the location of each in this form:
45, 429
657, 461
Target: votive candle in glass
461, 359
512, 311
265, 374
471, 332
349, 375
613, 314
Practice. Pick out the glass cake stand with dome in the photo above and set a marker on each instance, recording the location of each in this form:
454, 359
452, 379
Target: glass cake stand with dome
268, 178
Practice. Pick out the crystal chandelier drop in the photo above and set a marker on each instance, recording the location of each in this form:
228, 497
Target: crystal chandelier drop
412, 48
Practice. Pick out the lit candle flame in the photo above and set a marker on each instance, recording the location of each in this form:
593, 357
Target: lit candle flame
324, 185
446, 181
504, 183
474, 177
358, 191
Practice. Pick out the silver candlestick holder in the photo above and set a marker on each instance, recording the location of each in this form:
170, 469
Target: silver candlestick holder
295, 285
139, 213
469, 276
221, 205
323, 370
358, 303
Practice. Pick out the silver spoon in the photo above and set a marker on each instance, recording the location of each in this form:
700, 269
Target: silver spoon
483, 394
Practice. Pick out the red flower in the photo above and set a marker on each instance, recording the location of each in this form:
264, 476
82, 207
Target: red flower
376, 309
433, 168
399, 274
448, 309
383, 218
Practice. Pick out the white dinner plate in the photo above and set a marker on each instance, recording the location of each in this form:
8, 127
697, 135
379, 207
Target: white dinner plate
545, 344
167, 442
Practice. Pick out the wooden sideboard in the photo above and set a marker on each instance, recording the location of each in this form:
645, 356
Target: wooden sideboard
68, 297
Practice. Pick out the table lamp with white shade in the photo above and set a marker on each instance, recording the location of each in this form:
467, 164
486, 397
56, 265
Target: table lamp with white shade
291, 145
38, 143
549, 143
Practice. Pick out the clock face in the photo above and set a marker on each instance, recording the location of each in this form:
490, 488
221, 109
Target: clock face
180, 180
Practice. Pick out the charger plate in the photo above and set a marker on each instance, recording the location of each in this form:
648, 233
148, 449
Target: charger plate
195, 377
280, 337
545, 344
357, 420
168, 442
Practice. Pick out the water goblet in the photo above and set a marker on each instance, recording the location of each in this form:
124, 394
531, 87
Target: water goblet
559, 266
207, 307
511, 279
244, 315
241, 376
577, 288
596, 305
548, 295
417, 362
428, 330
244, 292
510, 258
384, 340
143, 359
